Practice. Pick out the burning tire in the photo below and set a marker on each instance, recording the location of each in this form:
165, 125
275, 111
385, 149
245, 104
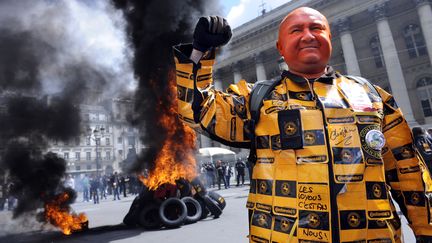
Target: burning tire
218, 198
149, 217
212, 206
173, 212
194, 210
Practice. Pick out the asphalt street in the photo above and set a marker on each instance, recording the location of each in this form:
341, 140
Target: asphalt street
105, 225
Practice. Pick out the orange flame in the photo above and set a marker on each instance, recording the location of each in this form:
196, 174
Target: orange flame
61, 217
167, 169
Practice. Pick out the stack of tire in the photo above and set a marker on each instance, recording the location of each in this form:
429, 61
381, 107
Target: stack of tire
186, 206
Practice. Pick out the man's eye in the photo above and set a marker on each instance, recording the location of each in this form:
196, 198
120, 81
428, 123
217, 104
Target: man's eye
295, 30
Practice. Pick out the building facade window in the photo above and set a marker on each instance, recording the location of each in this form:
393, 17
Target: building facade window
120, 140
88, 155
414, 41
89, 167
77, 155
108, 155
424, 91
375, 46
131, 141
77, 167
66, 155
88, 141
107, 141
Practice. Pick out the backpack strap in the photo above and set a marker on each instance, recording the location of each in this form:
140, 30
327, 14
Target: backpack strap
364, 81
260, 90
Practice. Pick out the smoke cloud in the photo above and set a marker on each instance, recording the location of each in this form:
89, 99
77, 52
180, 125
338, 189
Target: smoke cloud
153, 27
53, 56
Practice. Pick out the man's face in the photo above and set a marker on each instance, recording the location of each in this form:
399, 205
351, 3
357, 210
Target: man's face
305, 41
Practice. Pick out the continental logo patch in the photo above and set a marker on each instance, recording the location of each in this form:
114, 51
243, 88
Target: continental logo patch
265, 160
313, 137
286, 188
392, 124
352, 219
276, 142
376, 190
377, 224
411, 169
264, 186
415, 198
379, 214
368, 119
341, 120
347, 155
349, 178
314, 220
284, 225
273, 109
263, 207
404, 152
285, 211
312, 159
262, 142
257, 239
262, 219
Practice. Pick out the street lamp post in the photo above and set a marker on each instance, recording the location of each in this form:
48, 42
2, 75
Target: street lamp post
96, 136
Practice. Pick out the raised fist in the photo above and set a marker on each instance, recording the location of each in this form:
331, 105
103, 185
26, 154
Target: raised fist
211, 31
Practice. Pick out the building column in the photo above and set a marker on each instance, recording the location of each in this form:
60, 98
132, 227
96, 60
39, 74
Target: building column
236, 68
425, 14
259, 67
392, 63
349, 52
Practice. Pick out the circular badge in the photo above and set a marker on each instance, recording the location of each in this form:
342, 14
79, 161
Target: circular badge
313, 220
406, 153
381, 223
415, 198
354, 219
302, 96
309, 138
285, 225
262, 187
290, 128
262, 220
285, 189
375, 139
347, 156
377, 192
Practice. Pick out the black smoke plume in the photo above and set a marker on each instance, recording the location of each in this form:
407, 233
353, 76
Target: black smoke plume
46, 70
153, 27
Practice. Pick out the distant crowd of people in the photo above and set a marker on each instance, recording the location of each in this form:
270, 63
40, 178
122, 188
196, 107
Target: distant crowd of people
95, 188
213, 174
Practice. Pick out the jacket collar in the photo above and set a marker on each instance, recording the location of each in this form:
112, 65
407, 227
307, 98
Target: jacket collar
327, 77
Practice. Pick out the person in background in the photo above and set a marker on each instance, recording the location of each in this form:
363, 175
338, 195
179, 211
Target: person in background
240, 171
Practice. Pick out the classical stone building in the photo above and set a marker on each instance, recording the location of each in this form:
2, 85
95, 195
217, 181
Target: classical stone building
108, 147
387, 42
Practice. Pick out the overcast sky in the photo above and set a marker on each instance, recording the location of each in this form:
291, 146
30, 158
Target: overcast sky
239, 12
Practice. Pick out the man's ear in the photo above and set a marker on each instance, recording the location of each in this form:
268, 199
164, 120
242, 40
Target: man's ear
278, 46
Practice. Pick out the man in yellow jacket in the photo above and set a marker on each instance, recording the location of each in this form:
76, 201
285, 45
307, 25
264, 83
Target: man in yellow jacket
328, 149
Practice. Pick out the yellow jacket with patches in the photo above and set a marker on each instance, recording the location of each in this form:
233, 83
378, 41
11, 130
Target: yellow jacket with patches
316, 178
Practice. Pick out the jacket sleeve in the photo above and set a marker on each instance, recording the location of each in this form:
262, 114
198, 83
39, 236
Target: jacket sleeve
222, 116
405, 172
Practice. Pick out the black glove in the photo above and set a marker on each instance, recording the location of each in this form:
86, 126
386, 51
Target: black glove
211, 31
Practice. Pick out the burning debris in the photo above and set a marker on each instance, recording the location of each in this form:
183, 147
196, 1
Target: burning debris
153, 27
57, 212
50, 61
171, 205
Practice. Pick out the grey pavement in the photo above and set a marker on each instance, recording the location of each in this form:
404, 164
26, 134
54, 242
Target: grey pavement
105, 225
